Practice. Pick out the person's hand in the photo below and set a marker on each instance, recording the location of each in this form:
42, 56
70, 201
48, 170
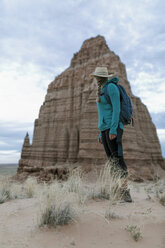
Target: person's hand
112, 136
100, 140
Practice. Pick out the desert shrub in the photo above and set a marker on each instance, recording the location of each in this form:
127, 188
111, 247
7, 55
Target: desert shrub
135, 232
148, 191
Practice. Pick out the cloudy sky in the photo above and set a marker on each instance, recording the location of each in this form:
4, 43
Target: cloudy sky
38, 39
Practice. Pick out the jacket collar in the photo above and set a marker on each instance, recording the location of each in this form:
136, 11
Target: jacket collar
105, 84
113, 80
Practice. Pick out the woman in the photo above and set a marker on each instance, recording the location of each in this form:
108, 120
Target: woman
111, 129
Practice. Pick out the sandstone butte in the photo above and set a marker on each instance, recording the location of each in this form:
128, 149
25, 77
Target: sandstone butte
66, 130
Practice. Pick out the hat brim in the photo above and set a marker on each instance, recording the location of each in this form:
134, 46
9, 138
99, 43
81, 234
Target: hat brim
96, 75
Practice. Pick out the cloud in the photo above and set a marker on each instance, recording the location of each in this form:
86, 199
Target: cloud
161, 134
23, 88
7, 152
159, 119
151, 89
2, 143
11, 140
9, 156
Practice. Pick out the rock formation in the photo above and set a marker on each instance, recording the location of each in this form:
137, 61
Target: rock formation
66, 130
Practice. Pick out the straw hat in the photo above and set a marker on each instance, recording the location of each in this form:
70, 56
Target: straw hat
101, 72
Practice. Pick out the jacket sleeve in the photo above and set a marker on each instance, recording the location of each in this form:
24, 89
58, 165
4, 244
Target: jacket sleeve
114, 94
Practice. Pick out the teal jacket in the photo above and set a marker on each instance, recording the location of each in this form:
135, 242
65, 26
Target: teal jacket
108, 115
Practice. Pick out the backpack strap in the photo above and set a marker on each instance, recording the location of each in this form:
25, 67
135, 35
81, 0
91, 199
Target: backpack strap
106, 95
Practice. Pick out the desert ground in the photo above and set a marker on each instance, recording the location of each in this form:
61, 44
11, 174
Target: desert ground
99, 222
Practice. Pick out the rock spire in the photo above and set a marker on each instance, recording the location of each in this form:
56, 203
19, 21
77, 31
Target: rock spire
66, 129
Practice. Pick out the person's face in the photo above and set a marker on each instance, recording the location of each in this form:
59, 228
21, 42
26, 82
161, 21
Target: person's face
100, 79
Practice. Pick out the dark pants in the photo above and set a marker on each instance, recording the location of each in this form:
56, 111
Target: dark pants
111, 149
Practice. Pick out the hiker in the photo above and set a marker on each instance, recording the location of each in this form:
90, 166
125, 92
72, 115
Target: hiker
111, 129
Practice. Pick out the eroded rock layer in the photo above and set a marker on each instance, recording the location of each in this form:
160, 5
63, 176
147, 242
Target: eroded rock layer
66, 130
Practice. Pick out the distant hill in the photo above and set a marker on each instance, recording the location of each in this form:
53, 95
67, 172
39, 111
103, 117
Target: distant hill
8, 169
8, 164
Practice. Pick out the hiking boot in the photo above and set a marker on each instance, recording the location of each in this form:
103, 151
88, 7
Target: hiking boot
125, 195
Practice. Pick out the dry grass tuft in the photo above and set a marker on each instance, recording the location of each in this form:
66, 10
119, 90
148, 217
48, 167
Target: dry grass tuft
75, 185
74, 182
57, 215
56, 206
30, 186
160, 191
109, 183
13, 190
162, 199
9, 190
5, 189
111, 215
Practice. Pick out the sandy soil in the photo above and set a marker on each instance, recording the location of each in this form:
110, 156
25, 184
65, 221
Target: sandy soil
18, 225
